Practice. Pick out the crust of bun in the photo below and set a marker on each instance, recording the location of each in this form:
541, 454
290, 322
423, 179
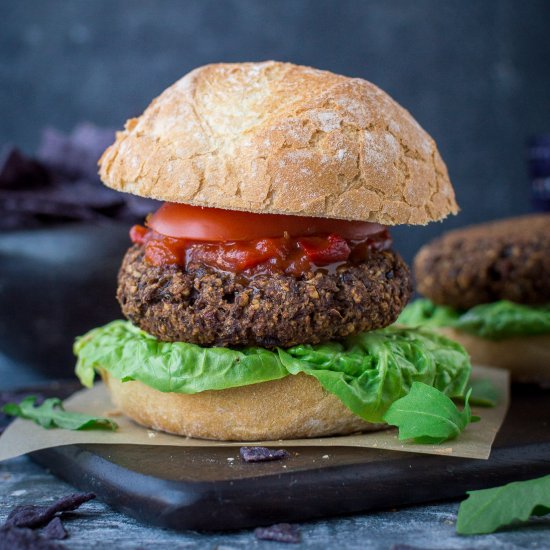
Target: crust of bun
293, 407
527, 358
281, 138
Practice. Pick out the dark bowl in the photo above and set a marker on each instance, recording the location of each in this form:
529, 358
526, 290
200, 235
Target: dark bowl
56, 284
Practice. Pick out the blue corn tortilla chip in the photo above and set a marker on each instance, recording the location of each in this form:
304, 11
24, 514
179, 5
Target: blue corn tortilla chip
17, 538
34, 516
20, 530
54, 530
75, 155
62, 185
262, 454
15, 167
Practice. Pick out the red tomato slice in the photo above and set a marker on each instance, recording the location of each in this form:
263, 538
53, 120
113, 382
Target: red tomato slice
213, 224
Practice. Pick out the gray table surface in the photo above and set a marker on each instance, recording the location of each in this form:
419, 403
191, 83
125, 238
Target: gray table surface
98, 526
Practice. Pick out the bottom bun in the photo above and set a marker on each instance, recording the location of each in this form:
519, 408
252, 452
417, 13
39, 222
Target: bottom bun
527, 357
293, 407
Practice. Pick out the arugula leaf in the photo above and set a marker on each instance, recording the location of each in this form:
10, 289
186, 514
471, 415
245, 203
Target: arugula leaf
51, 414
428, 415
487, 510
484, 393
367, 372
494, 321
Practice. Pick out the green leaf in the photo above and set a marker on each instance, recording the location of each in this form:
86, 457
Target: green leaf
494, 321
428, 415
484, 393
504, 320
129, 353
487, 510
424, 313
367, 372
51, 414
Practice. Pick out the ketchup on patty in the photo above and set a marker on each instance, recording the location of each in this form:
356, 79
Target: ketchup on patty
233, 241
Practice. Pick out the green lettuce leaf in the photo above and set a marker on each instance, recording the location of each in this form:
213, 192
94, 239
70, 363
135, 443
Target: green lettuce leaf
424, 313
493, 321
367, 372
487, 510
51, 414
504, 320
129, 353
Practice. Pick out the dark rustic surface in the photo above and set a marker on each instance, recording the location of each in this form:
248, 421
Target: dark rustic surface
98, 526
212, 488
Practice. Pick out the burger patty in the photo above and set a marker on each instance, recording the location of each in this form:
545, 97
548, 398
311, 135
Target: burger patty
503, 260
214, 308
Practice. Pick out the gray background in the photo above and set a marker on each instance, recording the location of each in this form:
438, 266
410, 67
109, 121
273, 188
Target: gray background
475, 74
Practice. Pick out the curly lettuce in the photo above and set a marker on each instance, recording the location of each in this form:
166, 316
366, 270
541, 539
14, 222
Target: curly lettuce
494, 321
367, 372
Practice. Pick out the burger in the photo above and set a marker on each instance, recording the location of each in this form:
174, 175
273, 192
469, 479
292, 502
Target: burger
257, 297
487, 286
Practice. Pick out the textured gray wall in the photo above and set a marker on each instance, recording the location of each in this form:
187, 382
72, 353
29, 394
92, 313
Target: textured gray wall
476, 74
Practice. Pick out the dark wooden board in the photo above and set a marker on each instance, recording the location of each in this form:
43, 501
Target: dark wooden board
199, 488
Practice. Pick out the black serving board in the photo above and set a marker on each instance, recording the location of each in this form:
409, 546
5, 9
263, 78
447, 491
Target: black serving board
199, 488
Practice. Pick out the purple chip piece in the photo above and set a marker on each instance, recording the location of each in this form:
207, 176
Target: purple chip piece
16, 167
29, 515
55, 530
76, 154
33, 516
17, 532
280, 532
61, 184
19, 538
262, 454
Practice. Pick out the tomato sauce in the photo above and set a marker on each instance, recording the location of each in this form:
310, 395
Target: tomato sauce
287, 254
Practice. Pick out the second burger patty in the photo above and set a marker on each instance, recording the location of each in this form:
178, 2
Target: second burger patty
502, 260
212, 308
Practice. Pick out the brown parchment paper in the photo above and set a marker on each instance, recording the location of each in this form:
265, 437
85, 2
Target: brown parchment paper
24, 436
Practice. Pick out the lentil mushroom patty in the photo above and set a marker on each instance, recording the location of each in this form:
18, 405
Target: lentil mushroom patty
503, 260
214, 308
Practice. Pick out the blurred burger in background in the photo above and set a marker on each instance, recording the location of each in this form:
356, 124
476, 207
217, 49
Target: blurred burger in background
487, 286
257, 297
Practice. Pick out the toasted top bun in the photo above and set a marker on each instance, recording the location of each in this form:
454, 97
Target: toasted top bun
281, 138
